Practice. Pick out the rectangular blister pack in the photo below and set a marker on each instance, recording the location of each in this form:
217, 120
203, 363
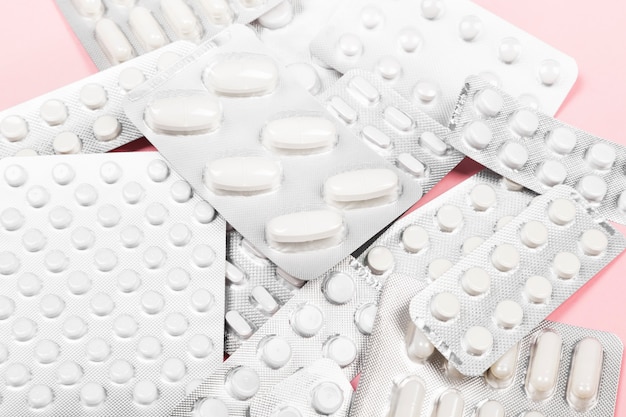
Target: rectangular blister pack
393, 126
86, 116
330, 317
112, 286
536, 150
426, 48
556, 370
265, 153
115, 31
529, 267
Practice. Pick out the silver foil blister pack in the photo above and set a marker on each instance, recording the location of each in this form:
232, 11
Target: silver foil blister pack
86, 116
327, 318
112, 286
426, 48
393, 126
250, 139
536, 150
555, 370
116, 31
526, 270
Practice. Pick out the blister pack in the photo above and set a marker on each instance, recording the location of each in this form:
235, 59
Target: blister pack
115, 31
328, 318
536, 150
426, 48
556, 370
531, 266
112, 286
393, 126
316, 191
319, 389
83, 117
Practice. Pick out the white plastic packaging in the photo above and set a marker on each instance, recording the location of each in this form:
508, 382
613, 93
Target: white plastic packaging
112, 286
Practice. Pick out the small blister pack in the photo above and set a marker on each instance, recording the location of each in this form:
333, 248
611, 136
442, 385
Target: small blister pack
393, 126
86, 116
316, 191
426, 48
555, 370
530, 266
116, 31
330, 317
112, 286
536, 150
319, 389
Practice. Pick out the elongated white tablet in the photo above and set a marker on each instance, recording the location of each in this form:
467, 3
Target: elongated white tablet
239, 324
449, 404
264, 300
502, 372
418, 347
146, 28
243, 175
181, 18
585, 374
218, 12
89, 8
184, 115
490, 409
113, 41
305, 226
242, 75
302, 134
408, 397
366, 187
543, 368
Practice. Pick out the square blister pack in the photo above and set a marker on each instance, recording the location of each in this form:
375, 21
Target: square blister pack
86, 116
426, 48
112, 286
556, 370
529, 267
537, 150
115, 31
394, 127
330, 317
250, 140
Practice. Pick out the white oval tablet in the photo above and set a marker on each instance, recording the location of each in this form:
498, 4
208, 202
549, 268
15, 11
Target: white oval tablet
364, 187
433, 143
218, 12
409, 163
239, 324
242, 75
305, 226
543, 367
490, 409
181, 18
585, 374
243, 175
398, 119
184, 115
302, 134
263, 300
146, 28
113, 41
343, 110
408, 397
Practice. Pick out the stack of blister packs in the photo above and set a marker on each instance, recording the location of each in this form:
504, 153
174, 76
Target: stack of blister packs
292, 135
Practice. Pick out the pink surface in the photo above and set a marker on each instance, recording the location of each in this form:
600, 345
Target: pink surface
40, 53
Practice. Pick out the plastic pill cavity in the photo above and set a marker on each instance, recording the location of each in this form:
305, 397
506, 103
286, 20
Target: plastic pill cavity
243, 75
184, 115
502, 372
601, 156
585, 374
449, 404
418, 347
327, 398
303, 134
341, 349
243, 383
338, 288
218, 12
362, 188
307, 320
482, 197
543, 366
275, 351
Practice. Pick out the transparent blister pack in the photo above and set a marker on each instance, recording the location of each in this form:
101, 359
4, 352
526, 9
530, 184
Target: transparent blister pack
112, 292
393, 126
536, 150
83, 117
116, 31
555, 370
532, 265
319, 389
317, 192
328, 318
426, 48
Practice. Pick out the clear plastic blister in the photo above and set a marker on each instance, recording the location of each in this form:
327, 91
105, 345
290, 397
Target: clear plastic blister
116, 31
426, 48
404, 372
317, 192
532, 265
83, 117
112, 286
328, 318
537, 150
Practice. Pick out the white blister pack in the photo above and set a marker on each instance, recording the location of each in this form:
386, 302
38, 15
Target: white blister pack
556, 370
532, 265
426, 48
319, 389
537, 150
330, 317
86, 116
116, 31
112, 286
393, 126
250, 139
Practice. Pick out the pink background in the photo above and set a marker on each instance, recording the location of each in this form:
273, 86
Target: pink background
40, 53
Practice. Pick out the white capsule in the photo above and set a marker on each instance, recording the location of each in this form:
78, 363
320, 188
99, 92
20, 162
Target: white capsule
242, 175
561, 140
113, 41
307, 320
184, 115
449, 404
585, 374
543, 367
505, 257
407, 397
300, 134
477, 135
502, 372
181, 18
239, 324
410, 164
475, 281
362, 188
92, 9
146, 28
377, 138
242, 75
278, 16
562, 211
449, 218
414, 238
488, 102
490, 409
218, 12
534, 234
601, 156
318, 226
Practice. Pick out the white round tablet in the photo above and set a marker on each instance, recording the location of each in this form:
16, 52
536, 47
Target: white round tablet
275, 351
449, 218
106, 128
13, 128
120, 371
287, 411
40, 396
166, 60
475, 281
483, 197
524, 122
505, 257
513, 155
561, 140
601, 156
92, 394
243, 382
145, 392
508, 314
66, 143
307, 320
306, 75
414, 238
425, 91
93, 96
488, 102
24, 329
53, 112
9, 263
477, 135
327, 398
593, 188
63, 174
445, 306
341, 349
566, 265
593, 242
278, 16
551, 173
338, 288
379, 260
477, 340
389, 67
364, 318
438, 267
549, 72
69, 373
350, 45
173, 370
130, 78
534, 234
561, 211
26, 152
538, 289
210, 407
471, 243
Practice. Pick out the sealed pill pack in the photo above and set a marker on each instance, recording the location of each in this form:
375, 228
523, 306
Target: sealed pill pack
330, 317
265, 153
555, 370
112, 286
116, 31
86, 116
392, 126
426, 48
536, 150
533, 264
